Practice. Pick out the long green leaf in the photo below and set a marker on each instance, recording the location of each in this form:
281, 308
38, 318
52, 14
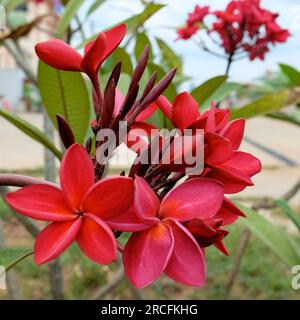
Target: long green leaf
9, 257
266, 104
141, 42
291, 73
169, 56
221, 93
289, 212
134, 22
32, 131
69, 12
206, 90
170, 92
119, 55
274, 237
94, 6
65, 93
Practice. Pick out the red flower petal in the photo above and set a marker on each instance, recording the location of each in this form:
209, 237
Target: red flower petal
128, 222
148, 112
109, 198
218, 149
42, 202
228, 212
76, 175
59, 55
185, 110
146, 255
220, 246
195, 198
246, 162
97, 51
114, 37
94, 56
187, 262
233, 179
54, 239
96, 240
165, 106
146, 202
234, 132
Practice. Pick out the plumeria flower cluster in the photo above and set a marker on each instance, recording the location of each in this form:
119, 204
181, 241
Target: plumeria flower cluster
171, 216
244, 28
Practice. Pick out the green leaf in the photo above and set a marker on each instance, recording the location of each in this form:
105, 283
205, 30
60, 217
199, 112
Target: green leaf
274, 237
170, 92
70, 11
266, 104
221, 93
118, 55
291, 73
289, 212
142, 41
32, 131
136, 21
169, 56
65, 93
206, 90
285, 117
9, 257
94, 6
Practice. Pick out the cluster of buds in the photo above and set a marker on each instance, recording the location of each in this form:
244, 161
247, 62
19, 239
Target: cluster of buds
173, 214
244, 27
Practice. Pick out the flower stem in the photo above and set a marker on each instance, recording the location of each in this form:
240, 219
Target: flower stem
17, 180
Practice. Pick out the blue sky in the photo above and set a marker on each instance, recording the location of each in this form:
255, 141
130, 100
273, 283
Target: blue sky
198, 64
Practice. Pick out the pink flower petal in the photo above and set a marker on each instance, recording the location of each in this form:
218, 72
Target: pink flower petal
187, 262
128, 222
146, 255
195, 198
54, 239
109, 198
146, 202
41, 202
96, 240
76, 175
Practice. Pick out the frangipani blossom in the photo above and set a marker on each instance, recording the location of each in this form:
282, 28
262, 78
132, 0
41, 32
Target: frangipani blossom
222, 138
79, 210
59, 55
160, 242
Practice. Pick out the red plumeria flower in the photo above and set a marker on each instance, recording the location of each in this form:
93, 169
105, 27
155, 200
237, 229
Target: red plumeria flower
197, 15
222, 139
60, 55
160, 242
187, 32
79, 210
